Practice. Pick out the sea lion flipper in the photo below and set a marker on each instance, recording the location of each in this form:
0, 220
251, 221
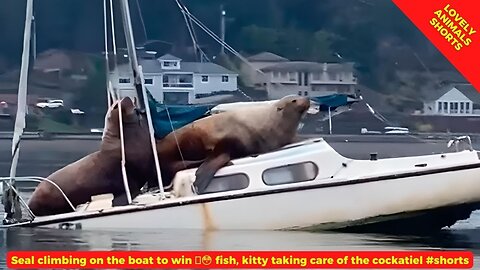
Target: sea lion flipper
121, 199
173, 168
188, 164
207, 170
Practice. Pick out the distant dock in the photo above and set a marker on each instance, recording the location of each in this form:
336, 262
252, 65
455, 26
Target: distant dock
52, 136
42, 155
383, 138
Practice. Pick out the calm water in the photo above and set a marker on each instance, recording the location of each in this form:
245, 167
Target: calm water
41, 158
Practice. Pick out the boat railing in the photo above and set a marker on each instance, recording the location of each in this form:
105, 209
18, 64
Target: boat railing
461, 139
37, 179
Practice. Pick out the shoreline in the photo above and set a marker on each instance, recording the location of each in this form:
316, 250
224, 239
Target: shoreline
38, 135
400, 138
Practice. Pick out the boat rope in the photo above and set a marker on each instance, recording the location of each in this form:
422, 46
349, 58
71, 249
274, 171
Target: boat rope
120, 118
194, 41
17, 195
109, 98
244, 94
114, 42
227, 46
141, 20
131, 48
122, 144
191, 30
152, 138
175, 135
216, 38
110, 95
39, 180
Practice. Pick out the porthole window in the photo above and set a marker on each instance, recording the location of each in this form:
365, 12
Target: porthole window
227, 183
292, 173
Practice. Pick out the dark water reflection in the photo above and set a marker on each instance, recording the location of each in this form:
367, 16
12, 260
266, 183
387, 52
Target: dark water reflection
52, 239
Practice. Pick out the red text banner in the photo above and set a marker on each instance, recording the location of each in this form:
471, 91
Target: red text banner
453, 26
241, 259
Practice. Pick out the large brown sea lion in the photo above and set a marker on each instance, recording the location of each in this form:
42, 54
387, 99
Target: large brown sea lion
100, 172
211, 142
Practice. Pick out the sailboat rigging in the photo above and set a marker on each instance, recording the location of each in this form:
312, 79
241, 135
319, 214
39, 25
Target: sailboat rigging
361, 195
11, 198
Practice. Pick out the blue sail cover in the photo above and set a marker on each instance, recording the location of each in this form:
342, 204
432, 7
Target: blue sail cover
165, 116
332, 101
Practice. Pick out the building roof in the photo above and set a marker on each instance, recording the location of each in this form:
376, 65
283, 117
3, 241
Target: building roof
154, 66
466, 89
266, 57
305, 66
169, 57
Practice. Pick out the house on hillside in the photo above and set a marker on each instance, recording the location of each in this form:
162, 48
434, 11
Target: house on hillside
70, 67
173, 81
55, 74
280, 76
251, 76
453, 100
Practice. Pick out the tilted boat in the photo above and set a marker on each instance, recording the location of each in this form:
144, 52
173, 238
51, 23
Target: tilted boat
303, 186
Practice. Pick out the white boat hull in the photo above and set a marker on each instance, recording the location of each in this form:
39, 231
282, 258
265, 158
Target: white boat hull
358, 192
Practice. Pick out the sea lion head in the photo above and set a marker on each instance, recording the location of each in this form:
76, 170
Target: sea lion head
133, 119
289, 111
293, 106
130, 113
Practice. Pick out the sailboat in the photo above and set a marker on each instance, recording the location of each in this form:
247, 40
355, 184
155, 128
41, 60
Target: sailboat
305, 185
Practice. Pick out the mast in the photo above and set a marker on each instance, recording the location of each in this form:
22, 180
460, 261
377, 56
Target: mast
107, 69
114, 47
10, 198
222, 28
139, 85
127, 28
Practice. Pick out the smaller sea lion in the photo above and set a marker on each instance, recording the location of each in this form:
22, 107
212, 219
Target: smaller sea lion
100, 172
212, 142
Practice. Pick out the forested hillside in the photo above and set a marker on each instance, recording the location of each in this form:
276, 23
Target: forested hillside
392, 56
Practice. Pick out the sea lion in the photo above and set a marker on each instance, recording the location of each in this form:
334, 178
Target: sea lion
100, 172
212, 142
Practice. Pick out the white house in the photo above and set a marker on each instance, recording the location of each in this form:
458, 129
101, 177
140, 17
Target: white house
251, 76
172, 81
283, 77
453, 100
